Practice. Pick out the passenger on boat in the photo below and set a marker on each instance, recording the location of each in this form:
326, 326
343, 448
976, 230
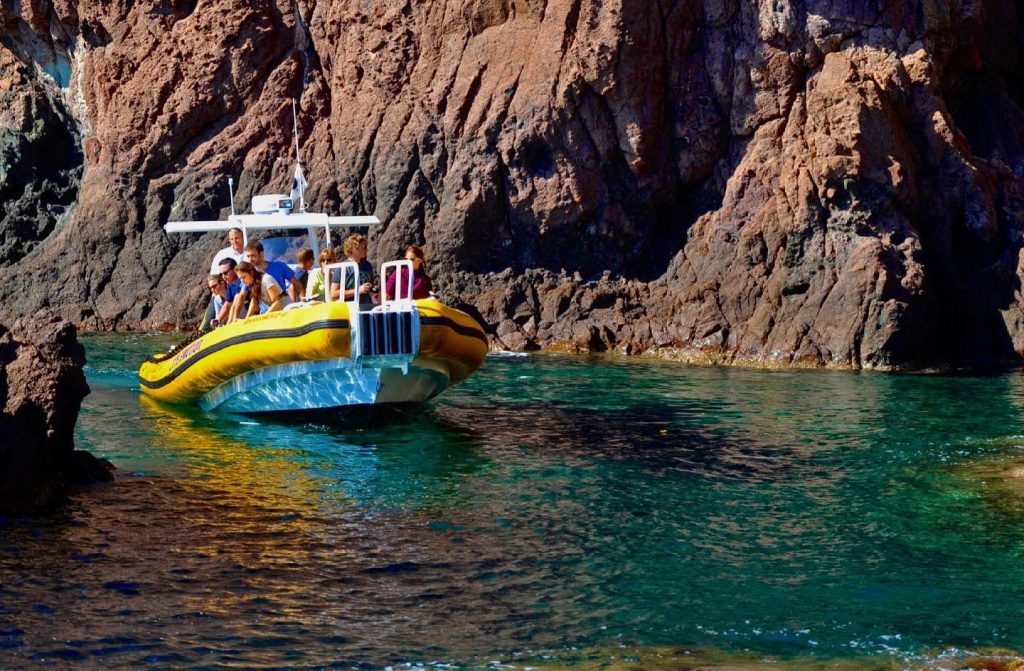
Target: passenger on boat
281, 272
422, 285
355, 248
265, 294
233, 287
234, 250
227, 271
316, 287
305, 259
221, 302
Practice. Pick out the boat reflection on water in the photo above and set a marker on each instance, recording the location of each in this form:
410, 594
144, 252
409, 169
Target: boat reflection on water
277, 545
219, 454
284, 461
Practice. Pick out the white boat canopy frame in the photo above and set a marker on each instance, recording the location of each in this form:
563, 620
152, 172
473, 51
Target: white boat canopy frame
310, 221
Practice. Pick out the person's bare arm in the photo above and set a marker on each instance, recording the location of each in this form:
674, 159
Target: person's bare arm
254, 306
275, 295
225, 311
237, 305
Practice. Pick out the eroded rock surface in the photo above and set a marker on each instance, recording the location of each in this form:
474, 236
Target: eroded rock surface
775, 182
41, 390
40, 160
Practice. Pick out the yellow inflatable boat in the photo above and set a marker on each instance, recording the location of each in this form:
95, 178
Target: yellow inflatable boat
321, 355
317, 355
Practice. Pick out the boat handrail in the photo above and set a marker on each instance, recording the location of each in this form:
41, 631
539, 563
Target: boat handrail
347, 268
402, 300
387, 334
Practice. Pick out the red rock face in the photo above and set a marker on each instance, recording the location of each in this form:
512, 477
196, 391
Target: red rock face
781, 183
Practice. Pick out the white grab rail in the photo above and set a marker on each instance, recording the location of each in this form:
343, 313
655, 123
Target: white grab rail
402, 300
347, 268
387, 335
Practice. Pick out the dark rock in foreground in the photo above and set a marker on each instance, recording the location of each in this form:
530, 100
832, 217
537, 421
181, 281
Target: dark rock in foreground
41, 390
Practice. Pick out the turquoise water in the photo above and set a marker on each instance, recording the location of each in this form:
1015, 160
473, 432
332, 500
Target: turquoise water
547, 506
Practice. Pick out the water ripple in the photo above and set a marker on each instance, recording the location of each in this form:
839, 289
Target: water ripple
549, 511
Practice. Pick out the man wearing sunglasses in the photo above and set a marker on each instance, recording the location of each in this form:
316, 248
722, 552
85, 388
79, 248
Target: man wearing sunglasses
231, 279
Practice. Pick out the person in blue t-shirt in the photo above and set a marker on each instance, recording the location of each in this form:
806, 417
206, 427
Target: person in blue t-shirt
233, 289
281, 272
305, 259
233, 284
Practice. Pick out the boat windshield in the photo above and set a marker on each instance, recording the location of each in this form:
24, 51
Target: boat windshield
284, 248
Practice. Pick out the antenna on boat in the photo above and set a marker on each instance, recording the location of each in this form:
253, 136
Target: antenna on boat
231, 195
295, 131
298, 181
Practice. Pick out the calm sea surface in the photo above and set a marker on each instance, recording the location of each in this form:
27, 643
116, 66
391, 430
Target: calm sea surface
548, 511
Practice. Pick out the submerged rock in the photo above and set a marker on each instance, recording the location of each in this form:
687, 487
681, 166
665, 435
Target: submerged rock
41, 390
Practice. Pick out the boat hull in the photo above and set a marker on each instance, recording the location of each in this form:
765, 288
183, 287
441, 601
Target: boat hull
334, 383
302, 359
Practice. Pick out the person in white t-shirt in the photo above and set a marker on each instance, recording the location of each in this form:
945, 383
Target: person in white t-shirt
234, 250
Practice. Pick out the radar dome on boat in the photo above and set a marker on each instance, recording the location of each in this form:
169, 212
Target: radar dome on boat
272, 203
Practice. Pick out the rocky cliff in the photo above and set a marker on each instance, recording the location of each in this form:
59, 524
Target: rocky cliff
41, 390
779, 182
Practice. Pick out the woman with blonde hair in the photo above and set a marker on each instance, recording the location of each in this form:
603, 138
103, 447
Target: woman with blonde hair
316, 287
